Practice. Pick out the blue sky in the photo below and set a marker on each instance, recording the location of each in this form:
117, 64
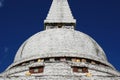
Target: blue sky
20, 19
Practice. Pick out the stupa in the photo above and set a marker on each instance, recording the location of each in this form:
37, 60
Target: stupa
60, 52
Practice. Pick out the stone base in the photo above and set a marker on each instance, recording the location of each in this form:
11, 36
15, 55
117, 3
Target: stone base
59, 78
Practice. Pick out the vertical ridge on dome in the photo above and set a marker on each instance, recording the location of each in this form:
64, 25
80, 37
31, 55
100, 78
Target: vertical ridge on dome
59, 15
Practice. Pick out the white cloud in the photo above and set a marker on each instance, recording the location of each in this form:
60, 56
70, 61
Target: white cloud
6, 49
1, 3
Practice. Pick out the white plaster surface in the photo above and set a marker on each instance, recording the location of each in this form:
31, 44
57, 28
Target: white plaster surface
60, 13
60, 43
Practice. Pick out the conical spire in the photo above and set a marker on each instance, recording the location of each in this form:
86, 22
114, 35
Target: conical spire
59, 15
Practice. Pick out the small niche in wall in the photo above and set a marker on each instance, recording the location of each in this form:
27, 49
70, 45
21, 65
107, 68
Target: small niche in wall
59, 26
84, 69
38, 69
80, 69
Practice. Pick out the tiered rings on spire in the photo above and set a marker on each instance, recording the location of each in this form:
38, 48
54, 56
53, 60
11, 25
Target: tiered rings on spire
59, 16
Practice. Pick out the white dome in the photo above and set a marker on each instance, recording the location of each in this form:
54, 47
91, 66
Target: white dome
60, 42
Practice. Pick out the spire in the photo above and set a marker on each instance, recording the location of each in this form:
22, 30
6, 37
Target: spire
59, 16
